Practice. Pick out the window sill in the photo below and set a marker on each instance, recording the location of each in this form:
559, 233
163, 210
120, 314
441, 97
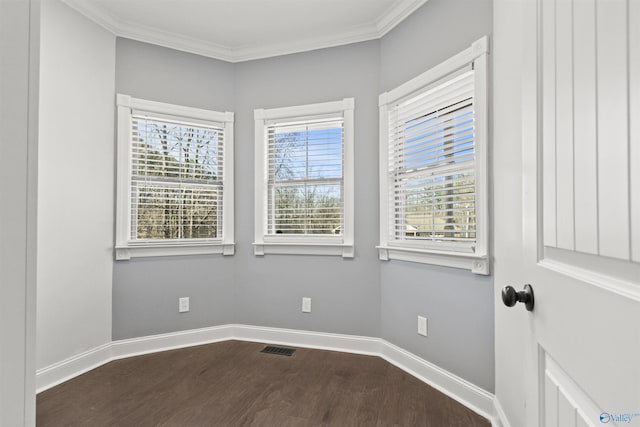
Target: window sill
477, 264
156, 250
271, 248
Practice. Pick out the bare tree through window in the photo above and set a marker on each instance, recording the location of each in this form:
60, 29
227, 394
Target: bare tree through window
176, 185
305, 178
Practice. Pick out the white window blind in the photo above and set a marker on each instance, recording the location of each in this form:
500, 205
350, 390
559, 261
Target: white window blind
434, 204
176, 179
304, 179
305, 184
432, 164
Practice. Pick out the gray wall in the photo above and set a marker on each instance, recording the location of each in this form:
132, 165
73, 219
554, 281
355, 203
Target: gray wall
457, 304
159, 74
243, 288
345, 293
362, 296
433, 33
146, 290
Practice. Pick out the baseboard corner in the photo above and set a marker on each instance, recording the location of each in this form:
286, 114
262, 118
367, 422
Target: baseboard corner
499, 417
71, 367
470, 395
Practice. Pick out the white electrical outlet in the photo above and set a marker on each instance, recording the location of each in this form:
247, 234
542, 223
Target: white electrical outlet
306, 305
183, 304
422, 326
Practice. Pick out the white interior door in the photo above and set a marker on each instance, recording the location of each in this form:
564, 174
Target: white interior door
577, 361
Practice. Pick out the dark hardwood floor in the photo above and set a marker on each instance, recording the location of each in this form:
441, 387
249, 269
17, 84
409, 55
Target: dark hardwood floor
232, 384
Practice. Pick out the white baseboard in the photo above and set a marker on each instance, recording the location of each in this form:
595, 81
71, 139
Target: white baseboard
470, 395
308, 339
500, 418
67, 369
173, 340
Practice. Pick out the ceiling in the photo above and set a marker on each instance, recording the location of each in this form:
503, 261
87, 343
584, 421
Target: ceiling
241, 30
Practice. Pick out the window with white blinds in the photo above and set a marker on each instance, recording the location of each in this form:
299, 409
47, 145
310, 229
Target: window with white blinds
304, 179
432, 164
433, 193
305, 183
176, 178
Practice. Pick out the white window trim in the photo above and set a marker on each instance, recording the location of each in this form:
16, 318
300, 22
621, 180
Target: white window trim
304, 245
477, 262
126, 249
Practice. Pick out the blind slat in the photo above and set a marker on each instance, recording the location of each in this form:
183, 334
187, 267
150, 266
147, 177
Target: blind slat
176, 184
432, 164
305, 177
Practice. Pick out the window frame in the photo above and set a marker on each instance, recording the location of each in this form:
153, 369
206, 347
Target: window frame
443, 254
303, 244
125, 247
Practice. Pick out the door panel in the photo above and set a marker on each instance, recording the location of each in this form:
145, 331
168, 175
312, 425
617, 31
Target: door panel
579, 249
584, 112
565, 404
613, 178
585, 56
578, 244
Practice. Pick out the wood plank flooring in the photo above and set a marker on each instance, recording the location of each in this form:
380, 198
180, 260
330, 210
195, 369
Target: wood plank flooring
232, 384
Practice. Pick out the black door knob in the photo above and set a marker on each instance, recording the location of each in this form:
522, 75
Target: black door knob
510, 296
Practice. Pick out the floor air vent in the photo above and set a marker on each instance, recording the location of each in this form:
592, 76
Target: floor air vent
278, 350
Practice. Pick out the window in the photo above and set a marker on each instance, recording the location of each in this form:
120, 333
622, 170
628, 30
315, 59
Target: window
433, 165
175, 180
304, 179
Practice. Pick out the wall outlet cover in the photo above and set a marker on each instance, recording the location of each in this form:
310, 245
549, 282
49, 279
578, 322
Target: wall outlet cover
306, 305
183, 304
422, 326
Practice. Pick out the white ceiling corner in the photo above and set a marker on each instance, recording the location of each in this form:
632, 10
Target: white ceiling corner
94, 12
396, 14
245, 33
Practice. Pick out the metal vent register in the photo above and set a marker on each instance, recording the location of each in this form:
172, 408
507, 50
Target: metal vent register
281, 351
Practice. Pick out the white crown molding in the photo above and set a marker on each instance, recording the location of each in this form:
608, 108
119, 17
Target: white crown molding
174, 41
396, 14
372, 31
360, 34
468, 394
95, 13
